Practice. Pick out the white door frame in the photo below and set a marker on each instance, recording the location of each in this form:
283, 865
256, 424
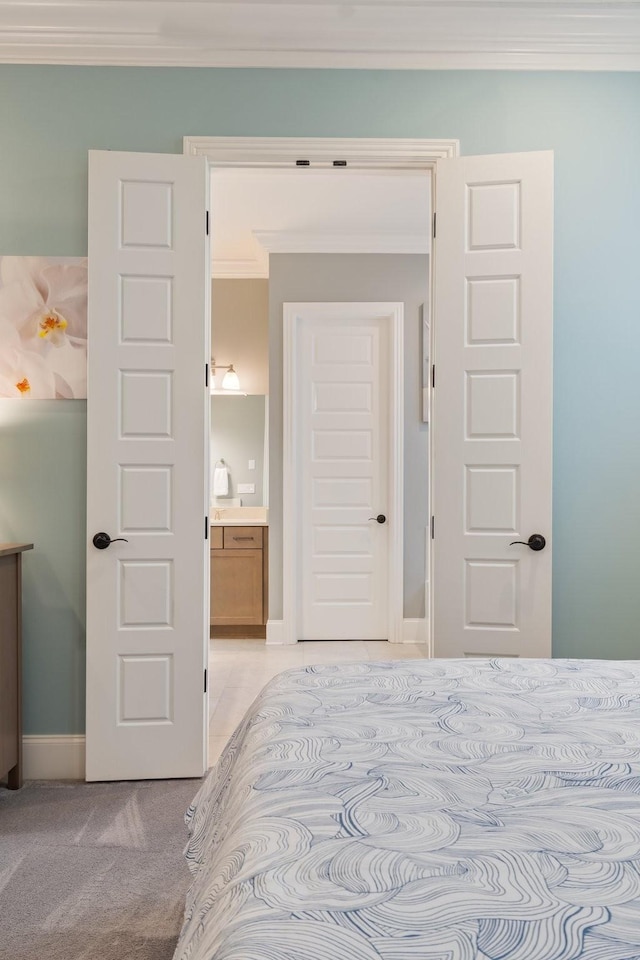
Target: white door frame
392, 313
359, 154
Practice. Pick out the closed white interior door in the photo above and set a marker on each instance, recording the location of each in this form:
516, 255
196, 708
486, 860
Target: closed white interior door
493, 406
147, 472
344, 424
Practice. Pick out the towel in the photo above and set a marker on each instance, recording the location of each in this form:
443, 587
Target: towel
221, 481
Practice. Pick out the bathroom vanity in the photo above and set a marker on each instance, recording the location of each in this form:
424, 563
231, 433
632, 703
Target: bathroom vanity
239, 574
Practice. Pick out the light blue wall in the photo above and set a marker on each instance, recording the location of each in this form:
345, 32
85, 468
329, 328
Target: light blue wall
50, 116
43, 451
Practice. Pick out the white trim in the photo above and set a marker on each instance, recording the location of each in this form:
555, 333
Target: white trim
394, 313
240, 269
433, 319
265, 456
414, 630
396, 473
417, 630
286, 241
289, 459
53, 757
379, 34
427, 617
277, 634
360, 153
67, 50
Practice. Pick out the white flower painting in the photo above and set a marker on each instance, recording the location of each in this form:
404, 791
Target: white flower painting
43, 328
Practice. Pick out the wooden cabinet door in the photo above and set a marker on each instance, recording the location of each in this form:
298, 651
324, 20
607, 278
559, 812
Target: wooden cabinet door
236, 586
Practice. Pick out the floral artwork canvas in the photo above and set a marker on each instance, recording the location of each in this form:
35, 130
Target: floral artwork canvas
43, 328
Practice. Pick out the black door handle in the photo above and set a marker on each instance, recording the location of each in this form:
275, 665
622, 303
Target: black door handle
102, 540
535, 542
379, 519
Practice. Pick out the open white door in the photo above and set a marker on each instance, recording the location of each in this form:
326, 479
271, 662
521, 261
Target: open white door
147, 470
493, 406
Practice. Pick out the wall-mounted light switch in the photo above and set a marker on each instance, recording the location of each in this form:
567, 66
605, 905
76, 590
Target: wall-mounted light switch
246, 488
252, 464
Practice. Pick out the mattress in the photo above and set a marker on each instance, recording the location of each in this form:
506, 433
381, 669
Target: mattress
440, 810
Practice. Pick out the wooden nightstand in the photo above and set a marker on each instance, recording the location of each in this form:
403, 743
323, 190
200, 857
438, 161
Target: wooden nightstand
10, 662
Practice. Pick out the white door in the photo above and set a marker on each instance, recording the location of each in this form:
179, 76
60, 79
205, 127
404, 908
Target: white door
492, 406
147, 472
346, 417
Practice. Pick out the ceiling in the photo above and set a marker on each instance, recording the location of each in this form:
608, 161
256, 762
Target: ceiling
381, 34
257, 212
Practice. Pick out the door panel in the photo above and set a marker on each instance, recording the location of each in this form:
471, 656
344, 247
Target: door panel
147, 622
492, 403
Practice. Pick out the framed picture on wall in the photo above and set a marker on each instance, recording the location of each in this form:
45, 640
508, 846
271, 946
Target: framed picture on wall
43, 328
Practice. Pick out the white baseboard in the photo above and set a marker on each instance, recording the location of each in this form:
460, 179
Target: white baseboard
53, 757
276, 634
414, 630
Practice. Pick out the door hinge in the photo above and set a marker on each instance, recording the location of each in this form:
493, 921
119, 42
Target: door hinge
205, 680
433, 527
303, 163
206, 374
206, 223
433, 377
434, 224
339, 163
206, 528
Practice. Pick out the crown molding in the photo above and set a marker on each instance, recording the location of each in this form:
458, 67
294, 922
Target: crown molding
372, 34
241, 269
283, 241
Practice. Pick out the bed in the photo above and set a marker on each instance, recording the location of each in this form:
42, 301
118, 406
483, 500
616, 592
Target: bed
440, 810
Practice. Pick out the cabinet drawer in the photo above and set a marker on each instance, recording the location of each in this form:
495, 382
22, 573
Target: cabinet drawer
216, 537
243, 538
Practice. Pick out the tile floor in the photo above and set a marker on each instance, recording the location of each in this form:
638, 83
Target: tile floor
239, 669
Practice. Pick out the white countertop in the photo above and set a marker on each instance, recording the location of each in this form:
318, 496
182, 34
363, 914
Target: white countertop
234, 522
239, 517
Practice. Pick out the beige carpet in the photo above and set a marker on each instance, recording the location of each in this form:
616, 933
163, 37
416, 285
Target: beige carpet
93, 871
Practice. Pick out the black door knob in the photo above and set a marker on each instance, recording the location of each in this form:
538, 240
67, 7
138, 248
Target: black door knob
102, 540
535, 542
379, 519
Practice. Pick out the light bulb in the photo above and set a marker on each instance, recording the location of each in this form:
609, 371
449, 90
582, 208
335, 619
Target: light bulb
230, 380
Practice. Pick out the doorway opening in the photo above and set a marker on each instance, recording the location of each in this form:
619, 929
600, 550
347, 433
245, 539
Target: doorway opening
320, 234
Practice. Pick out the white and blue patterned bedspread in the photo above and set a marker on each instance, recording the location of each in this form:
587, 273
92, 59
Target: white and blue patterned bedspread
424, 810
